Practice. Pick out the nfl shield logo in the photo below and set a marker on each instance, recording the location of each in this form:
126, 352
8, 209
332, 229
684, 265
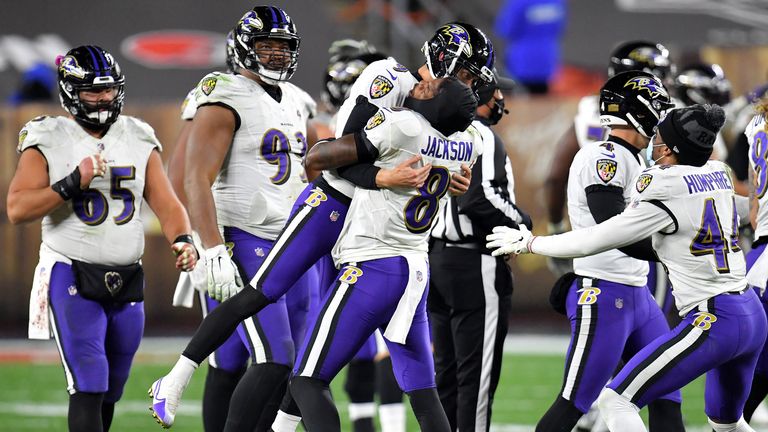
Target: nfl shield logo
419, 276
619, 303
334, 216
259, 252
380, 87
606, 169
72, 290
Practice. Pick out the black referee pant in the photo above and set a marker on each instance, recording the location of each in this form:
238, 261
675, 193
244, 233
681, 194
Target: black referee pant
469, 302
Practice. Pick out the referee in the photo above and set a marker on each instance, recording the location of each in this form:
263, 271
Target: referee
470, 293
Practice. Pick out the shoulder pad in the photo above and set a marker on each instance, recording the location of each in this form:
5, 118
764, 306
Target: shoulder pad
654, 183
37, 133
216, 87
142, 131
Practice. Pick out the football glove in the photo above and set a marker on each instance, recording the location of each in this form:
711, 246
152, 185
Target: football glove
223, 277
506, 240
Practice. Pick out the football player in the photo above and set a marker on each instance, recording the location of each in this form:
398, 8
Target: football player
599, 187
456, 49
347, 60
757, 259
634, 55
88, 289
242, 172
382, 252
687, 204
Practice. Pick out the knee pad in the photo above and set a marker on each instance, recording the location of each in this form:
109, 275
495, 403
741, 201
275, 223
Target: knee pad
740, 426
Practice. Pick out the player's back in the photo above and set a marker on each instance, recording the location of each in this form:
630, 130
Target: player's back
104, 224
757, 136
390, 222
700, 248
261, 174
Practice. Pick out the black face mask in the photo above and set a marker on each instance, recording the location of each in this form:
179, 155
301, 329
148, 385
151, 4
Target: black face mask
497, 111
450, 111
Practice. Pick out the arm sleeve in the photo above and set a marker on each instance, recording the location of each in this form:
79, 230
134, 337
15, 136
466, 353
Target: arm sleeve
359, 116
489, 202
738, 158
362, 174
606, 202
634, 224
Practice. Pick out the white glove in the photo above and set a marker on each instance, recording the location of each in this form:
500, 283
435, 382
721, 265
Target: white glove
223, 277
508, 240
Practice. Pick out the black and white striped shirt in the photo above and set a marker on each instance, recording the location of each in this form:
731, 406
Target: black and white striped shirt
489, 202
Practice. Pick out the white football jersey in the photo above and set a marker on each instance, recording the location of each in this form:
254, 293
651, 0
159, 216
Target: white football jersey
757, 137
610, 164
104, 225
702, 251
385, 83
189, 106
391, 222
262, 173
586, 123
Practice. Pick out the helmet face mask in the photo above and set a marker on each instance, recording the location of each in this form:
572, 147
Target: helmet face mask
457, 46
636, 99
89, 68
267, 44
230, 52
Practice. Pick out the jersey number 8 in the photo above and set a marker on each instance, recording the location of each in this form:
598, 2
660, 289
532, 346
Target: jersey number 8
420, 210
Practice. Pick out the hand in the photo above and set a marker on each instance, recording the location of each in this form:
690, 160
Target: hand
460, 182
223, 277
508, 240
92, 166
186, 255
404, 175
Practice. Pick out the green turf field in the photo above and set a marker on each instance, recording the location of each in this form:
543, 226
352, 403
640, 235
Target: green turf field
32, 397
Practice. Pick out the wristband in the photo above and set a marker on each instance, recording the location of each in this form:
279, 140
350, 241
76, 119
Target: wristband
184, 238
69, 186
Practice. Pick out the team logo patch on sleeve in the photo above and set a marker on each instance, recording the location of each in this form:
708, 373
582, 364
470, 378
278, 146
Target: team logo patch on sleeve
22, 137
606, 169
380, 87
400, 68
376, 120
643, 181
208, 85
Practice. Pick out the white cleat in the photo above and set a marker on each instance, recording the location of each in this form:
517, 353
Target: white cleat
166, 395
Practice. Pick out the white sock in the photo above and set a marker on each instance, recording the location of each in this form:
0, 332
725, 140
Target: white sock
392, 417
183, 369
619, 414
358, 411
285, 422
739, 426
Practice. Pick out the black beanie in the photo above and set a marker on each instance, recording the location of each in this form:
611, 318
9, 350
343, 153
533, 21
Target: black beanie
690, 132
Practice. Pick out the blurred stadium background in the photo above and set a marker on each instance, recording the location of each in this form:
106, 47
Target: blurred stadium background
165, 47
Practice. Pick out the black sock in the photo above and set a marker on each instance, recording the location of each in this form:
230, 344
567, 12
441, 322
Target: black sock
288, 404
360, 385
562, 416
313, 398
85, 412
219, 385
665, 416
428, 410
756, 395
107, 413
386, 384
253, 394
222, 322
